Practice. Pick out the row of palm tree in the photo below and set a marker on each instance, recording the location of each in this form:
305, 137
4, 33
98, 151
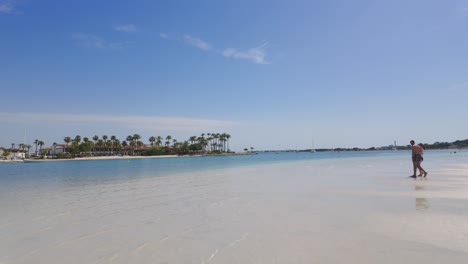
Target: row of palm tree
22, 147
39, 143
210, 142
133, 144
215, 142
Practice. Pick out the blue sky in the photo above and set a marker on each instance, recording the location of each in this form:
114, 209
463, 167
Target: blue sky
273, 74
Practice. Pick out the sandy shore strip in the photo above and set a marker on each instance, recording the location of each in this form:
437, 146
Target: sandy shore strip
98, 158
126, 157
360, 210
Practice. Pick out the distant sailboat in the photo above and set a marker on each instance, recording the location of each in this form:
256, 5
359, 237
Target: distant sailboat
312, 150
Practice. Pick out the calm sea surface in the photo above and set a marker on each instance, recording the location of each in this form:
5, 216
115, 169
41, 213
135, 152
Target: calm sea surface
265, 208
72, 173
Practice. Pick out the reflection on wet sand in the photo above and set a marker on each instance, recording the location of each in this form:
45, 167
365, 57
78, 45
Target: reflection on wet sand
299, 212
421, 202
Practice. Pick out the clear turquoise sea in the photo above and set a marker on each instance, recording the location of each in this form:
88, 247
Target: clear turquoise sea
264, 208
72, 173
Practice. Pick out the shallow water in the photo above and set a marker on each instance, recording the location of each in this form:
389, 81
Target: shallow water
356, 209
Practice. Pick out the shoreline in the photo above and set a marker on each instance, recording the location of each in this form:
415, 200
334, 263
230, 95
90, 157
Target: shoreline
124, 157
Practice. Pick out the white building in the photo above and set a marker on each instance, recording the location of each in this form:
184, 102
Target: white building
57, 149
14, 154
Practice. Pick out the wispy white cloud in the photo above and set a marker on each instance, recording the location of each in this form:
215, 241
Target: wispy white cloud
142, 122
7, 7
196, 42
91, 41
129, 28
255, 55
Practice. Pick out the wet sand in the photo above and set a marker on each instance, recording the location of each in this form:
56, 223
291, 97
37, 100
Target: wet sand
356, 210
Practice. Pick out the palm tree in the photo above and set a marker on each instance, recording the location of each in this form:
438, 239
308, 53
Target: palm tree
100, 144
77, 140
152, 139
201, 140
35, 142
133, 146
223, 140
113, 139
95, 138
104, 141
21, 146
40, 143
136, 137
158, 140
192, 139
177, 145
67, 140
204, 144
209, 143
86, 143
209, 138
116, 144
29, 148
168, 138
124, 146
140, 143
130, 140
228, 137
184, 148
215, 137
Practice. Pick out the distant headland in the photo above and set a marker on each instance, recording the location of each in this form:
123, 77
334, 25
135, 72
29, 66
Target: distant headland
105, 147
459, 144
132, 146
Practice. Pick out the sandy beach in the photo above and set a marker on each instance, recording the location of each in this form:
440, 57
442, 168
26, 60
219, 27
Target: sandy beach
123, 157
94, 158
356, 210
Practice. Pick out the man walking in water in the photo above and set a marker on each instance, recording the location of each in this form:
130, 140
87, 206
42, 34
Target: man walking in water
416, 156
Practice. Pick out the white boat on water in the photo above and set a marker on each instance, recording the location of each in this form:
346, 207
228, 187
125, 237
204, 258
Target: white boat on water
312, 150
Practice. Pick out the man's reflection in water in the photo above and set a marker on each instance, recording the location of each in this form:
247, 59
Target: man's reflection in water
421, 203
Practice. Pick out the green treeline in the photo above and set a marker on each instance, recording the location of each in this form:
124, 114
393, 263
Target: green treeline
78, 146
209, 143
